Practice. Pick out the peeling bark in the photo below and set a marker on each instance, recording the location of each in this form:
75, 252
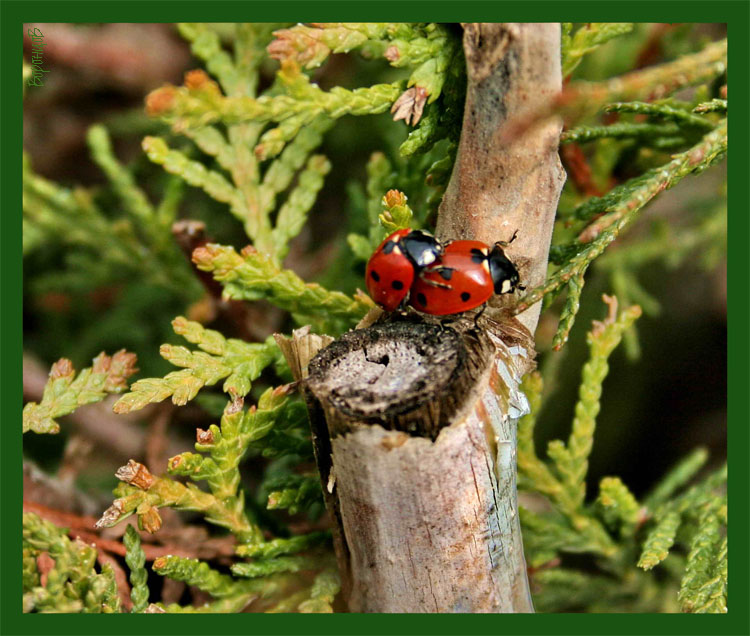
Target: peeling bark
413, 423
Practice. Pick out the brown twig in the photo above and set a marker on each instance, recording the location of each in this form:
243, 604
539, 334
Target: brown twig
580, 99
157, 441
579, 170
252, 322
121, 579
652, 49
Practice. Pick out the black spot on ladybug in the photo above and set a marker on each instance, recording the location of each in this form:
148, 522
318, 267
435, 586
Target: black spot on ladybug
397, 284
465, 296
476, 255
422, 299
375, 276
388, 247
446, 272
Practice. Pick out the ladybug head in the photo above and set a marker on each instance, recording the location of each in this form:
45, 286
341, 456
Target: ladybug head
504, 274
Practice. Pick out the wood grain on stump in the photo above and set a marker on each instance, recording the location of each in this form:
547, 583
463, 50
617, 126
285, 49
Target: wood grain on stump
417, 461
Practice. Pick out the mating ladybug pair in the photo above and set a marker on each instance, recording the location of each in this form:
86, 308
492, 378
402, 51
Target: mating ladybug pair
438, 278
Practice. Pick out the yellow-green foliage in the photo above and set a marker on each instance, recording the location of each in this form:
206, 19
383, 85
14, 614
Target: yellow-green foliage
238, 361
64, 392
72, 584
623, 533
255, 153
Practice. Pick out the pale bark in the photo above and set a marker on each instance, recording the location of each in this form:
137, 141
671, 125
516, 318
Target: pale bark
496, 187
414, 424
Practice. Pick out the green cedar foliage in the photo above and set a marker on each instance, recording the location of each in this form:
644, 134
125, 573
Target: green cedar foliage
251, 144
683, 528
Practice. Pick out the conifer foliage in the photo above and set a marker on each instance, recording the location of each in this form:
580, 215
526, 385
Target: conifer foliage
247, 131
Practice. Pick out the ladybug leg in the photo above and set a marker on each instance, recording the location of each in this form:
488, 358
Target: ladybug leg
444, 322
433, 283
402, 306
477, 316
506, 243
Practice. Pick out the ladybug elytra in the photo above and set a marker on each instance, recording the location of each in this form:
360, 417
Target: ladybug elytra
439, 279
394, 265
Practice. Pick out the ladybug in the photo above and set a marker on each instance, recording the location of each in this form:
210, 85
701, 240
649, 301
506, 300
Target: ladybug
465, 277
395, 264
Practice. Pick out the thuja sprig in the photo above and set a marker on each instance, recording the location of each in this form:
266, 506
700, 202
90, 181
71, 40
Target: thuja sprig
312, 45
239, 180
570, 309
143, 494
670, 514
617, 210
571, 461
704, 586
619, 505
155, 225
623, 130
396, 214
72, 584
563, 481
235, 361
427, 49
185, 107
702, 511
266, 567
282, 546
228, 443
233, 594
617, 527
662, 111
586, 39
251, 275
253, 203
238, 74
65, 392
136, 561
236, 593
714, 106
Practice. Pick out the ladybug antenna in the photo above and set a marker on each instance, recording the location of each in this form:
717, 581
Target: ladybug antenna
506, 243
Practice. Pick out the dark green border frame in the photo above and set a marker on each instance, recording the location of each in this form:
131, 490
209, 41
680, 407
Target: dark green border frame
14, 13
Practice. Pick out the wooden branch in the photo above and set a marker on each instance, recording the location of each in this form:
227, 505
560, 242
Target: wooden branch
415, 415
497, 188
413, 423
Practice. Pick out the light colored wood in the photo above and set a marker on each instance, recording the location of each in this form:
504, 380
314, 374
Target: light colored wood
498, 187
433, 526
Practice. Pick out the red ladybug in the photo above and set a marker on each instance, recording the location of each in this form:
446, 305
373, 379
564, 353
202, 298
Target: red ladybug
396, 262
465, 277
